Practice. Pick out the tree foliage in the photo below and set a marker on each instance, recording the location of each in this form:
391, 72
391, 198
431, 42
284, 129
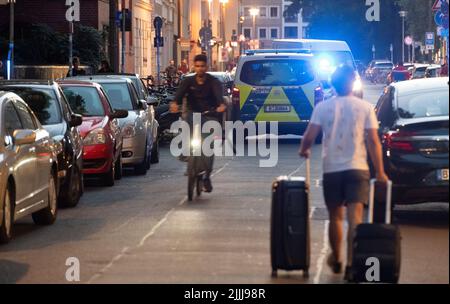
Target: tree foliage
346, 20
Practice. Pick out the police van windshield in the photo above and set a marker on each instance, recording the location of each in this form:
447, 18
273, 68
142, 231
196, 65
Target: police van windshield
277, 72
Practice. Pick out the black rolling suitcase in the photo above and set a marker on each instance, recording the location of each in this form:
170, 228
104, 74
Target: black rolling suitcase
290, 231
381, 241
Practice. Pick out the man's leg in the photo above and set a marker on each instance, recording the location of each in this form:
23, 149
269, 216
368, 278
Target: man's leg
336, 231
355, 213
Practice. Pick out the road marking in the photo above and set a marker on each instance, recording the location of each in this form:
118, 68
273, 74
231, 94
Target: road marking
125, 250
323, 253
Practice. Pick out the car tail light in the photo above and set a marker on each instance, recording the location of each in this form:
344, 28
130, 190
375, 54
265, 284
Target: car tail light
318, 95
399, 140
236, 96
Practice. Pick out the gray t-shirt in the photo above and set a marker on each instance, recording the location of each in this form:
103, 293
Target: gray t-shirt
344, 121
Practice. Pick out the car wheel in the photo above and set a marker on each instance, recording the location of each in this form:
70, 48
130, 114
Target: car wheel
72, 198
142, 168
109, 178
47, 216
155, 153
8, 217
119, 168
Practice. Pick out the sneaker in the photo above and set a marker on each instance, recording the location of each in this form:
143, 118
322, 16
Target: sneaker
207, 185
335, 266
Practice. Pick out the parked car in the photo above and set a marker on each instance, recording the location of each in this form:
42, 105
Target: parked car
28, 167
100, 130
413, 117
49, 104
139, 129
433, 71
419, 70
135, 78
378, 70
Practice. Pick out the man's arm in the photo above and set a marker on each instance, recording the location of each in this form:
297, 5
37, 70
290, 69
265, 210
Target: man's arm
178, 100
308, 139
218, 96
376, 155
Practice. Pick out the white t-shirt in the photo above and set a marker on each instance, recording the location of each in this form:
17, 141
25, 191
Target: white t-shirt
344, 121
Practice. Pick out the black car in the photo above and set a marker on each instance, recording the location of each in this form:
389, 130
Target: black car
413, 117
48, 102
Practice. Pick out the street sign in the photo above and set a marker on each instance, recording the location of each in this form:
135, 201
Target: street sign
438, 18
158, 41
437, 5
127, 20
408, 40
442, 32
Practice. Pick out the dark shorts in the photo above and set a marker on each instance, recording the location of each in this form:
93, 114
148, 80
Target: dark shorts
346, 187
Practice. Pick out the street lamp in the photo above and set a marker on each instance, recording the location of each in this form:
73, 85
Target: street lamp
403, 16
10, 62
254, 12
222, 23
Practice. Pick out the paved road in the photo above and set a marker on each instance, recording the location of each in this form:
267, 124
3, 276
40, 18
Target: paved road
144, 231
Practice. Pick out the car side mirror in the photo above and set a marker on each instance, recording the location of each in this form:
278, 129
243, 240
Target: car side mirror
24, 137
152, 101
143, 104
119, 114
76, 120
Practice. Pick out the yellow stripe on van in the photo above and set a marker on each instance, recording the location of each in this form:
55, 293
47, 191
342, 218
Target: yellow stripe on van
244, 91
277, 97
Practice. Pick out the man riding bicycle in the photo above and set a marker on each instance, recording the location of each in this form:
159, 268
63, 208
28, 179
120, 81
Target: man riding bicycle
203, 94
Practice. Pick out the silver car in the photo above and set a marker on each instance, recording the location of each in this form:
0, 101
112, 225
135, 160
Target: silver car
140, 128
28, 167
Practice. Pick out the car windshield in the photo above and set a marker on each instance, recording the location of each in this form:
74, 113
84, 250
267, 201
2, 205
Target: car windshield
118, 95
43, 102
277, 72
386, 65
424, 104
84, 100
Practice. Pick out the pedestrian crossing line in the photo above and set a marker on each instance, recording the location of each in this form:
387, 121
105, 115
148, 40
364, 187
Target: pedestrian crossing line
126, 250
323, 253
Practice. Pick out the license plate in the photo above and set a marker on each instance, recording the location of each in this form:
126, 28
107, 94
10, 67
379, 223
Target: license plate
277, 108
443, 175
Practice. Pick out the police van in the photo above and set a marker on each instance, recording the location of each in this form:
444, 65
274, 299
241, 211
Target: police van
276, 85
328, 54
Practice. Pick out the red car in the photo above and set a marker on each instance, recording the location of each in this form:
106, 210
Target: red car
102, 136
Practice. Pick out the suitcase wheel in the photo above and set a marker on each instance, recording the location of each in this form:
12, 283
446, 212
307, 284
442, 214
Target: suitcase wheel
274, 273
306, 273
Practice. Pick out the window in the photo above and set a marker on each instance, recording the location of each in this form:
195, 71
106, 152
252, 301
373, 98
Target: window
290, 19
12, 121
42, 102
25, 116
271, 72
274, 33
423, 104
262, 33
274, 12
263, 12
247, 11
84, 101
291, 32
119, 96
248, 33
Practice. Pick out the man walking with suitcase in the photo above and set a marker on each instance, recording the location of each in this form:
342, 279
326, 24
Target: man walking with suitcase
350, 129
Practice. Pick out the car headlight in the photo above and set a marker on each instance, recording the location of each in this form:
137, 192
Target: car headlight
95, 137
357, 85
129, 131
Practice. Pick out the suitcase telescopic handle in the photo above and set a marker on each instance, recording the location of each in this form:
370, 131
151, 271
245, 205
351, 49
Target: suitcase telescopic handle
372, 200
308, 171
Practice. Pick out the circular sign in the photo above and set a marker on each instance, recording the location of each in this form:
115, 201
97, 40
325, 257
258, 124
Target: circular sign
408, 40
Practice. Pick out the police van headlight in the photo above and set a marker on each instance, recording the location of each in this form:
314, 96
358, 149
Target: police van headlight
357, 85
